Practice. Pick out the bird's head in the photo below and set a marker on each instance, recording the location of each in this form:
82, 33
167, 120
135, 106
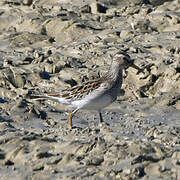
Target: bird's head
125, 61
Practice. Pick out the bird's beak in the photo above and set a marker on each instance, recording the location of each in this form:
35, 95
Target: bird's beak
136, 67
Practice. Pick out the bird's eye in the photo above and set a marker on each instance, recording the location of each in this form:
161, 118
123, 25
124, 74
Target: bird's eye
125, 58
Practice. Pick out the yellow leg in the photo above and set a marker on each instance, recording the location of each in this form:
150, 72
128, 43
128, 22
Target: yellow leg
70, 119
71, 116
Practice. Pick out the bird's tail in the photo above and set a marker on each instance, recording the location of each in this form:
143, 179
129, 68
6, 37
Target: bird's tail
51, 96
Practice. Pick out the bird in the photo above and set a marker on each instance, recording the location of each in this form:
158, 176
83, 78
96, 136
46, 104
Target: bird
94, 94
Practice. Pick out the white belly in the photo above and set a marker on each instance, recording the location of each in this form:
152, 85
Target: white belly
93, 103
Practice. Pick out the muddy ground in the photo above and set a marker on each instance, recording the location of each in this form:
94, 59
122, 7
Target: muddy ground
48, 45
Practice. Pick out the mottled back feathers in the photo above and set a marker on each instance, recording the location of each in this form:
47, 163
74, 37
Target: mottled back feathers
78, 91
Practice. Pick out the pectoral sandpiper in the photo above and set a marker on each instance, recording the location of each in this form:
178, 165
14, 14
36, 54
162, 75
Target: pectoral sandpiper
95, 94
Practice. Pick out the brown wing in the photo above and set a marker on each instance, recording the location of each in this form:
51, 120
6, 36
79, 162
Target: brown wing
80, 91
77, 92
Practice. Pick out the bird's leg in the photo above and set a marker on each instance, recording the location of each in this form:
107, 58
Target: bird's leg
101, 121
100, 117
71, 116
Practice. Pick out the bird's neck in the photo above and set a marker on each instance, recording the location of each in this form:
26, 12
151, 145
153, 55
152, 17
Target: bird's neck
115, 72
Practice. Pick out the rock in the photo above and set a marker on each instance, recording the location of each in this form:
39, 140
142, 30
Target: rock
125, 34
97, 7
153, 169
27, 2
96, 161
